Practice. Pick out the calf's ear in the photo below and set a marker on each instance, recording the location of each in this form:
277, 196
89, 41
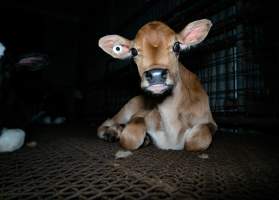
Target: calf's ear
116, 46
195, 32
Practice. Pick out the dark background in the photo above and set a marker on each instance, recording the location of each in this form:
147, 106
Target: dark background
237, 63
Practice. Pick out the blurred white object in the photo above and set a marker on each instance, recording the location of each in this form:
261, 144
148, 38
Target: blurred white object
2, 49
59, 120
11, 139
47, 120
32, 144
203, 156
122, 154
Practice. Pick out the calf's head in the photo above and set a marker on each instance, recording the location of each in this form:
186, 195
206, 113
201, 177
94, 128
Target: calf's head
155, 50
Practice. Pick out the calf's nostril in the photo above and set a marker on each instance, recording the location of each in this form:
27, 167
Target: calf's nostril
148, 75
164, 74
156, 75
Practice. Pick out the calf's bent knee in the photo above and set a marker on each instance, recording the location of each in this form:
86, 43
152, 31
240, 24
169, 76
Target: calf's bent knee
199, 138
132, 137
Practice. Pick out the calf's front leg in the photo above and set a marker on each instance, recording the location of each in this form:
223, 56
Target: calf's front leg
112, 128
134, 133
110, 131
130, 137
199, 137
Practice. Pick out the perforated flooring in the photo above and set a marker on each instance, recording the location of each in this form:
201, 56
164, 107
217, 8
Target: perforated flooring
71, 163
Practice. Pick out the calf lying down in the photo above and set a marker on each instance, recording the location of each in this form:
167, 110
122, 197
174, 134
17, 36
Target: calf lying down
175, 113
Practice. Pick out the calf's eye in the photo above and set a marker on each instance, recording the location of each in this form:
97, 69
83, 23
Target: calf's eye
176, 47
134, 52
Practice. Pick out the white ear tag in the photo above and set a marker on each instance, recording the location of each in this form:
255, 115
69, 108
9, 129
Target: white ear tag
117, 49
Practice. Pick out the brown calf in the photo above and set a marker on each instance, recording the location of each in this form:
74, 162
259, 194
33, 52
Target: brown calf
176, 114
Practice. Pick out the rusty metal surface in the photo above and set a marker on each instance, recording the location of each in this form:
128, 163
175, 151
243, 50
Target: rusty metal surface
72, 164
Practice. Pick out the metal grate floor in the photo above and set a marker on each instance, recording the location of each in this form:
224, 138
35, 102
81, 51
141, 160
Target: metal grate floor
71, 163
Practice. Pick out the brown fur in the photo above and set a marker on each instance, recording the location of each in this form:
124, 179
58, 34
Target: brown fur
199, 141
133, 134
181, 120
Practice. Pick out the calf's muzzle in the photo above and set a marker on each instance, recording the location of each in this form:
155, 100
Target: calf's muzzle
156, 79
